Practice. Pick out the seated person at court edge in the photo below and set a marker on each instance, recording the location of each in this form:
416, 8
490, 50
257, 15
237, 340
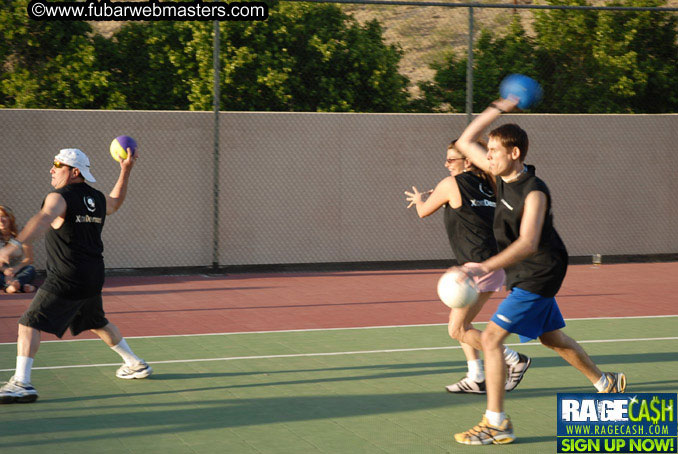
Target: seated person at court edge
20, 276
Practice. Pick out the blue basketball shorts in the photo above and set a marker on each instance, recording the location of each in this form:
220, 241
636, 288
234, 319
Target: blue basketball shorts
528, 315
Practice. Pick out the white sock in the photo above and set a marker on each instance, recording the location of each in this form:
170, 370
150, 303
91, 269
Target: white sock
495, 418
511, 356
601, 384
475, 370
126, 353
23, 369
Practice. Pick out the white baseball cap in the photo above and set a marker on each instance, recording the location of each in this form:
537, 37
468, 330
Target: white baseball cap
76, 158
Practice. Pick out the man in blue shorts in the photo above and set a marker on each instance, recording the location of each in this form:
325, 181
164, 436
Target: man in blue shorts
535, 260
72, 218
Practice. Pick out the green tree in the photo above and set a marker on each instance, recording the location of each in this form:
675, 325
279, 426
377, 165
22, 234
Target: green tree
493, 58
565, 41
609, 62
586, 61
638, 52
147, 65
305, 57
49, 64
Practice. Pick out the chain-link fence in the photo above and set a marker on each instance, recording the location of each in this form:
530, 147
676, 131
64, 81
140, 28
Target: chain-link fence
591, 58
317, 188
236, 188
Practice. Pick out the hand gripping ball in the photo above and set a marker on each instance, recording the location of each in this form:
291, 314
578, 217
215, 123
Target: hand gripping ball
457, 294
120, 145
526, 89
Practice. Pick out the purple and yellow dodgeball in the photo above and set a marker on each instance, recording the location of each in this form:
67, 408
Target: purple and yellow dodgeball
120, 145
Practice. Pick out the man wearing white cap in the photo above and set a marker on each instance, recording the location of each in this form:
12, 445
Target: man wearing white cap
72, 218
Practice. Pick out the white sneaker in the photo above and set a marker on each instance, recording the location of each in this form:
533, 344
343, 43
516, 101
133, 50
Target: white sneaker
15, 391
467, 386
517, 371
141, 370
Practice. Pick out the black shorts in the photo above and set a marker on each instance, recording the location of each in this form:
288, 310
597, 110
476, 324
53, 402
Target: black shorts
53, 314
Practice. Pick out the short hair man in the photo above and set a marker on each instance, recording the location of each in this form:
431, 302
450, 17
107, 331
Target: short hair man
71, 218
535, 260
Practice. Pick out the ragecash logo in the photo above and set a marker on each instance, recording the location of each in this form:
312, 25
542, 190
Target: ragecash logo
641, 422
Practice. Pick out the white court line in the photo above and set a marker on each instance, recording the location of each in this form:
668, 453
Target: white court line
361, 352
330, 329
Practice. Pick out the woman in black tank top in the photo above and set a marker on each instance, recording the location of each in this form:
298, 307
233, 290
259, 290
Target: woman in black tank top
467, 196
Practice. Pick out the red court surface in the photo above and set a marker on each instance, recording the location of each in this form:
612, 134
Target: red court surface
195, 304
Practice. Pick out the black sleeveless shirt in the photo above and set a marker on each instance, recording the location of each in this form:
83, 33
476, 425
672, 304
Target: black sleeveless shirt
543, 272
75, 262
469, 227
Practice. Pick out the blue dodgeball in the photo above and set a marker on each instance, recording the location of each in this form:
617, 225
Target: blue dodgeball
526, 89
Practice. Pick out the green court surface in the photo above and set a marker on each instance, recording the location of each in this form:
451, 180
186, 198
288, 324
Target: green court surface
371, 390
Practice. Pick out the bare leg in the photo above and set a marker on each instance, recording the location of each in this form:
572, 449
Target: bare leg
495, 366
28, 341
109, 334
460, 327
13, 287
571, 352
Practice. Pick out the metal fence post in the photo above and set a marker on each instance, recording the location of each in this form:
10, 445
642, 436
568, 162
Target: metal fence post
215, 226
469, 69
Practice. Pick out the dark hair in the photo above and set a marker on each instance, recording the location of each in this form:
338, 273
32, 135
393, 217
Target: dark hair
511, 135
485, 176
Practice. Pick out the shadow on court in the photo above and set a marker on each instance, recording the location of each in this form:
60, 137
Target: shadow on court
202, 408
445, 366
185, 416
631, 388
425, 369
601, 360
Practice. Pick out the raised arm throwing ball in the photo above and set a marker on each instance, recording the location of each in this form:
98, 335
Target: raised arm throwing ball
526, 89
120, 145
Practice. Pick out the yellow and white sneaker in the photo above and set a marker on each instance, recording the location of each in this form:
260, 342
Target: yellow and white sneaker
616, 383
485, 434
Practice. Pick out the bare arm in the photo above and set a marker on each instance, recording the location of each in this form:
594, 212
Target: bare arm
468, 145
446, 191
28, 257
115, 199
54, 207
531, 224
10, 272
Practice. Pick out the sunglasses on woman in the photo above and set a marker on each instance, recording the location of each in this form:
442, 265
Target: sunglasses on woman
451, 160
